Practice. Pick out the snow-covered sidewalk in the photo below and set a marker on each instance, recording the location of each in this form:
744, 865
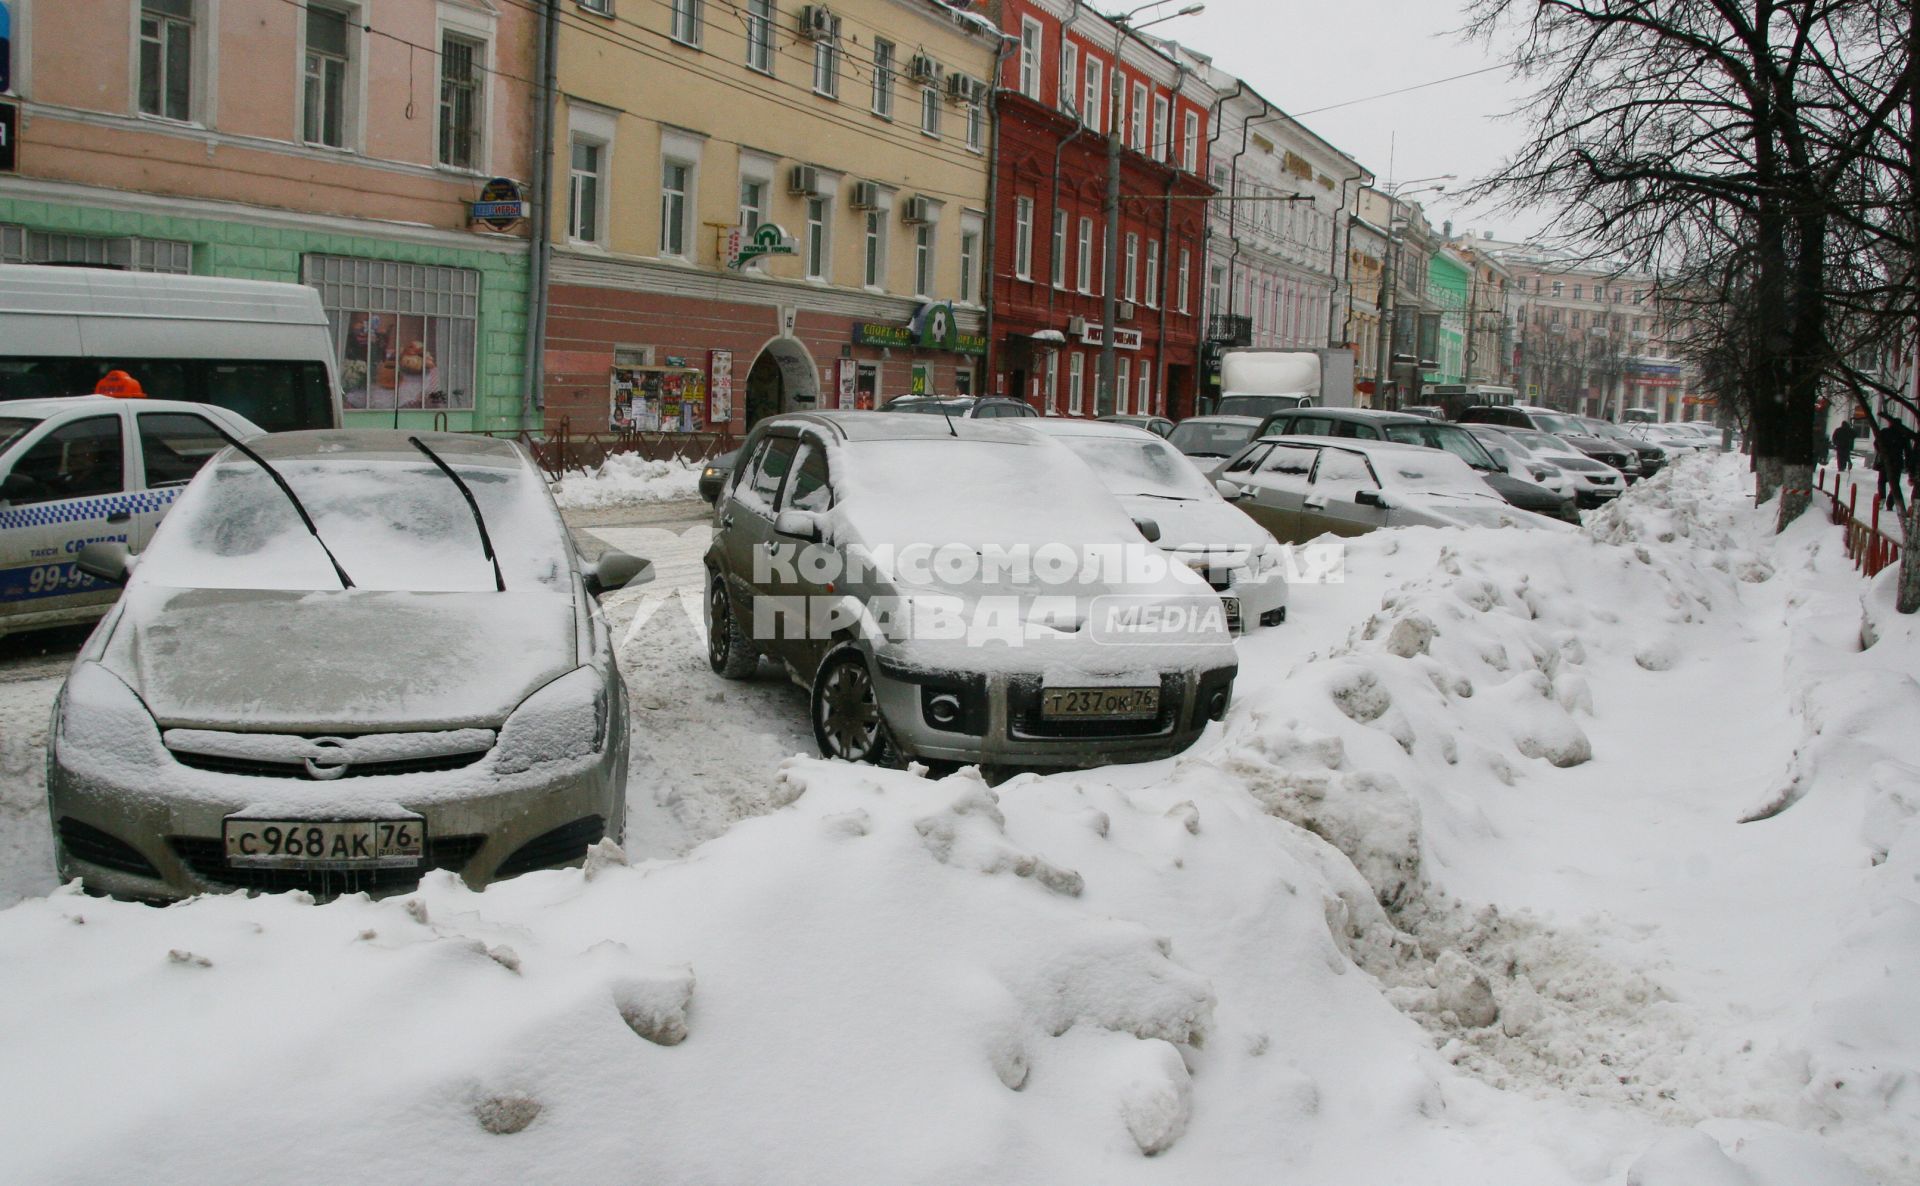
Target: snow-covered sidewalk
1461, 892
626, 479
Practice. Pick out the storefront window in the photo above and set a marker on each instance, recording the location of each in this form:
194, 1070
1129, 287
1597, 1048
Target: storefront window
406, 333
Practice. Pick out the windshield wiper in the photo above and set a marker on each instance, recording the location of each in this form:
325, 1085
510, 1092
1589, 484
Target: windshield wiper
346, 582
486, 542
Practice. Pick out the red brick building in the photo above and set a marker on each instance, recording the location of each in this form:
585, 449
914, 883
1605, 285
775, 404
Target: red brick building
1066, 85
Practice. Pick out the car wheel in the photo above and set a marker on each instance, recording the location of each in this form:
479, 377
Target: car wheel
729, 651
846, 712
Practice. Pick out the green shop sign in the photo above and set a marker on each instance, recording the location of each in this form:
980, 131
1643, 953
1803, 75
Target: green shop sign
932, 328
766, 239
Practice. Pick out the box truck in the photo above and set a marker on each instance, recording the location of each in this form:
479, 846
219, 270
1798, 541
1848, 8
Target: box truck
1259, 381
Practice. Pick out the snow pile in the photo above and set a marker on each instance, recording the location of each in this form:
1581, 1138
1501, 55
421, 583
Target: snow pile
625, 479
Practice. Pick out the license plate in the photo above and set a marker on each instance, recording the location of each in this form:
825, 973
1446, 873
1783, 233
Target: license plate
1108, 703
1233, 613
324, 844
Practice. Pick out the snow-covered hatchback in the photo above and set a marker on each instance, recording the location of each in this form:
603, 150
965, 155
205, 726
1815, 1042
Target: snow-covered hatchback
347, 657
959, 591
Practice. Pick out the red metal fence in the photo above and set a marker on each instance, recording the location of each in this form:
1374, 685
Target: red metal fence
1868, 544
560, 449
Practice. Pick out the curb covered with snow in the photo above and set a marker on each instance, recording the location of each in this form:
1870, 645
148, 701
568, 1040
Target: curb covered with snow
626, 479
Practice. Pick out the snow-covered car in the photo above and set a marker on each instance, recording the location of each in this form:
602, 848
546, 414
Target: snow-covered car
1208, 441
1238, 557
971, 407
958, 591
1594, 481
1652, 457
1159, 426
1521, 461
1671, 437
1300, 488
77, 469
347, 657
1571, 429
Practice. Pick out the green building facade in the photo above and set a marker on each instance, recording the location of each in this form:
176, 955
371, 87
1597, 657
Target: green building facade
1448, 279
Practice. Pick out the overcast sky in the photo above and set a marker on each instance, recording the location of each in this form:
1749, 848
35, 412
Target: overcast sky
1308, 54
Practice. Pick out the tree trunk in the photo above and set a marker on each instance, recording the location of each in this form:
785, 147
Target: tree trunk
1906, 596
1766, 477
1796, 493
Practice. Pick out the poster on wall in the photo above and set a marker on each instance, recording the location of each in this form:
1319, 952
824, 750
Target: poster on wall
657, 399
844, 383
720, 388
393, 360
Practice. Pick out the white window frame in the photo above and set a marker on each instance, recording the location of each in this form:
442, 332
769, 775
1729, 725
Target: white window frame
923, 260
687, 21
761, 17
1095, 115
199, 60
1151, 284
577, 179
971, 286
406, 292
1143, 403
1023, 238
352, 86
597, 7
1033, 42
1069, 76
1122, 385
930, 104
885, 71
1190, 142
1083, 259
469, 25
596, 128
1186, 277
683, 149
1076, 384
1161, 136
976, 128
1130, 259
873, 244
1059, 267
1050, 387
1137, 120
826, 68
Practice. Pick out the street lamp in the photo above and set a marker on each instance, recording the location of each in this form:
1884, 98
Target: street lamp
1395, 191
1109, 267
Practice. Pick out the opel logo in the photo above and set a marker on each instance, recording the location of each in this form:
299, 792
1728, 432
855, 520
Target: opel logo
328, 760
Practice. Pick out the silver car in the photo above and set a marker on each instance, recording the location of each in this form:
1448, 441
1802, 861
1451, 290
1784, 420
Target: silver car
347, 657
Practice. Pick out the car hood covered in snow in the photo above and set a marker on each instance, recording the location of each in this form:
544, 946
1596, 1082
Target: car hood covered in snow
346, 661
1198, 524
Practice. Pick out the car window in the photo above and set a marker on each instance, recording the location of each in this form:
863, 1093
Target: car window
1250, 461
1289, 461
174, 445
1340, 473
1355, 430
770, 468
1198, 438
1457, 441
12, 428
810, 489
1310, 426
77, 460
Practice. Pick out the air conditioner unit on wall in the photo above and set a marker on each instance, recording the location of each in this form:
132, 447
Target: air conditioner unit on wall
804, 181
818, 24
1076, 326
959, 88
924, 69
866, 196
916, 209
1123, 310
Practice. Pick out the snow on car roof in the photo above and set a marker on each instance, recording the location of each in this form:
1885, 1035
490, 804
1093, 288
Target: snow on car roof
47, 407
385, 444
1069, 426
882, 426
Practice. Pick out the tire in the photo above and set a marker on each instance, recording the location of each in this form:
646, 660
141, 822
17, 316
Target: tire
847, 723
730, 652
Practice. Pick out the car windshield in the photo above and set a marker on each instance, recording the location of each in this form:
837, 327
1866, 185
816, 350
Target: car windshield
1457, 441
1130, 465
1509, 441
1256, 405
1199, 438
12, 428
1555, 422
395, 523
1429, 472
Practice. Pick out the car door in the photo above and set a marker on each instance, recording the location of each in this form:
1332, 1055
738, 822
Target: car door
746, 525
171, 448
1330, 504
1278, 489
65, 487
809, 488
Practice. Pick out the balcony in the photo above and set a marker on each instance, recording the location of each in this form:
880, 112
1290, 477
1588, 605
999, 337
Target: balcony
1230, 329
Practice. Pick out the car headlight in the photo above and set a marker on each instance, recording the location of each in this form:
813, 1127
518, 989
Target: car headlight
564, 721
102, 723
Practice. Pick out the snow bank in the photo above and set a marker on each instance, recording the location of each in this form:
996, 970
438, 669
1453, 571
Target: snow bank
625, 479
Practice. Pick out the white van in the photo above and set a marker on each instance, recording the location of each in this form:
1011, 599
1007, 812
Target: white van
261, 349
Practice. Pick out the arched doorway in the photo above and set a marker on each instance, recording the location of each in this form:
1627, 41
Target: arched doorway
782, 379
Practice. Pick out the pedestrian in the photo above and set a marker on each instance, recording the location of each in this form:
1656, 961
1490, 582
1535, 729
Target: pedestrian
1843, 445
1892, 444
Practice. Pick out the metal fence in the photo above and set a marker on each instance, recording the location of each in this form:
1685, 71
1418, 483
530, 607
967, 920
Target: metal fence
1869, 545
560, 449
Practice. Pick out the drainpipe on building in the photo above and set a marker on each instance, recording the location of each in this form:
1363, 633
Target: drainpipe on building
1079, 128
1206, 243
989, 270
1333, 261
541, 230
1166, 232
1233, 190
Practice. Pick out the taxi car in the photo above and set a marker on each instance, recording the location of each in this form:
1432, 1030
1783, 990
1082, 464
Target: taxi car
84, 469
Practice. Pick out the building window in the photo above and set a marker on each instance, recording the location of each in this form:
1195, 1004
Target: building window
1161, 131
1556, 287
18, 245
1076, 384
760, 35
1217, 290
1053, 383
1031, 34
328, 61
1137, 130
1059, 248
583, 194
1576, 292
1069, 73
601, 7
687, 19
826, 67
406, 334
1083, 262
1094, 113
923, 260
166, 58
969, 266
976, 126
876, 253
1190, 142
753, 212
1130, 283
1122, 382
676, 184
883, 79
462, 110
1144, 403
816, 238
1186, 277
1153, 274
1023, 238
930, 111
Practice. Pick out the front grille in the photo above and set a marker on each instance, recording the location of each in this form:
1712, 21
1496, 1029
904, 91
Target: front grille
208, 860
84, 842
1024, 719
562, 846
263, 768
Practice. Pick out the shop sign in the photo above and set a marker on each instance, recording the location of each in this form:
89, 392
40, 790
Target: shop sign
720, 387
9, 137
6, 54
501, 204
1123, 339
933, 327
766, 239
658, 399
922, 380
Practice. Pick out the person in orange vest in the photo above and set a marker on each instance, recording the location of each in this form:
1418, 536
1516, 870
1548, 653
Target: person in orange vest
120, 385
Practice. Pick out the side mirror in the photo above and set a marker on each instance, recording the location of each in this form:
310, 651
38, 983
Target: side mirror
1148, 528
616, 570
107, 561
1231, 491
1370, 498
798, 524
